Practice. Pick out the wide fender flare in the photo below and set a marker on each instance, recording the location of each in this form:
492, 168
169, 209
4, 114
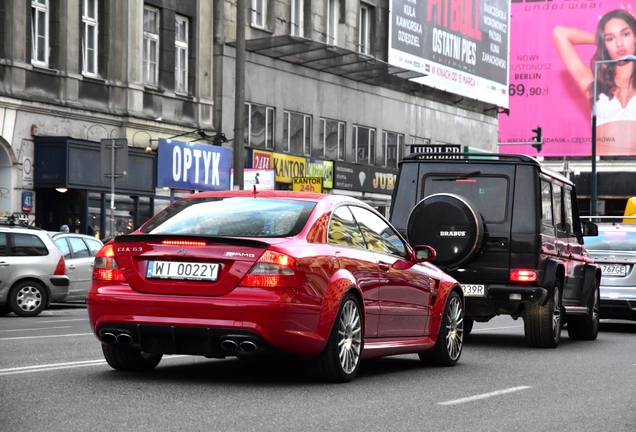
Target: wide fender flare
437, 311
592, 272
341, 282
554, 269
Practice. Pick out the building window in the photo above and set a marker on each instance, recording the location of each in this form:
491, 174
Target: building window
151, 46
259, 12
364, 29
296, 21
363, 145
89, 37
40, 32
297, 133
259, 132
331, 140
181, 54
391, 148
332, 21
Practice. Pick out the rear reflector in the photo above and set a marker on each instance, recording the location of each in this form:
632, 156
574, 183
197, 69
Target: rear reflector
524, 275
105, 268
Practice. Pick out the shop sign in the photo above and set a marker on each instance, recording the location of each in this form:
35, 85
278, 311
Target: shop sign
364, 178
261, 159
450, 151
256, 178
193, 166
27, 201
307, 184
287, 167
321, 168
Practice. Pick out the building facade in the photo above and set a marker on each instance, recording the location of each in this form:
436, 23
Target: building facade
320, 100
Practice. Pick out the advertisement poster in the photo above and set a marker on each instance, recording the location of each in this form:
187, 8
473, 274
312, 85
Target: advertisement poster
555, 48
462, 46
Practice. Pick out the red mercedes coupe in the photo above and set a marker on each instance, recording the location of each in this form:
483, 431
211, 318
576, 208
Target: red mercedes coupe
245, 273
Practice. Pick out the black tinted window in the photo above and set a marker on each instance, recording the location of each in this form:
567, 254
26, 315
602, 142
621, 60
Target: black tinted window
27, 245
235, 217
488, 194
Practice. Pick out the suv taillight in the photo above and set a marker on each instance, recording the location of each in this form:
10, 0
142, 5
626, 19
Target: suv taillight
105, 268
274, 269
518, 275
60, 270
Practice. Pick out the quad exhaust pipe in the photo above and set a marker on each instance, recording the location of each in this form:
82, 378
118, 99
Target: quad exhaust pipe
245, 346
111, 338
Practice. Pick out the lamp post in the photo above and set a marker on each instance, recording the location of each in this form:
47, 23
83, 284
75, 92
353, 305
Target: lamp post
594, 186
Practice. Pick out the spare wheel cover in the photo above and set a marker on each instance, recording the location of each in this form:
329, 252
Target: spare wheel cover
450, 224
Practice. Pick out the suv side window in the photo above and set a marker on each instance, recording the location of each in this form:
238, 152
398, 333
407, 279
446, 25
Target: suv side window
547, 218
380, 237
27, 245
558, 206
568, 210
343, 229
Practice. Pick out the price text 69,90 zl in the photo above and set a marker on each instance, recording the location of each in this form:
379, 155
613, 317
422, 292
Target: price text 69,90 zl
520, 90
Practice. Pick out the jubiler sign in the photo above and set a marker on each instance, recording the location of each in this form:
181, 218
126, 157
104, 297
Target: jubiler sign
193, 166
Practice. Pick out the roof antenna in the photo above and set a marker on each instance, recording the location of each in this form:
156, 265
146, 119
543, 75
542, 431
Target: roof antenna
254, 192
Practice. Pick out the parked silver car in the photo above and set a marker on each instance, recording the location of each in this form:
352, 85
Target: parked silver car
615, 251
79, 254
32, 271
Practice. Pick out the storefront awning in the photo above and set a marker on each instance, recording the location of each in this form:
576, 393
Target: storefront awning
328, 58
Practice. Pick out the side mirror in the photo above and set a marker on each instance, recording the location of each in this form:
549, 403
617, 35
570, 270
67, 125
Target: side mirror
424, 253
590, 229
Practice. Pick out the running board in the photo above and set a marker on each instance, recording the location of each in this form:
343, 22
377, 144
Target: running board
576, 310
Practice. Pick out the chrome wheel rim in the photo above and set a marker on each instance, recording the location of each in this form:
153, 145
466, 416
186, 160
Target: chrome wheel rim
349, 337
29, 298
454, 328
556, 316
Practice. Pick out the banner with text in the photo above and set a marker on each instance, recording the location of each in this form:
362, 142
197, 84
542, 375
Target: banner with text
462, 46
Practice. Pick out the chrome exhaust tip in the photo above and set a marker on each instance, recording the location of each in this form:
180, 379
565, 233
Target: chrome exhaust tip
229, 345
124, 338
248, 346
108, 338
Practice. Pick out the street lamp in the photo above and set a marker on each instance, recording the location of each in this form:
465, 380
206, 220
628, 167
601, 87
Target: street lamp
594, 187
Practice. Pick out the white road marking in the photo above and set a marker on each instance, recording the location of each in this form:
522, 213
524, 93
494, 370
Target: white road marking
48, 336
484, 396
31, 329
495, 328
57, 321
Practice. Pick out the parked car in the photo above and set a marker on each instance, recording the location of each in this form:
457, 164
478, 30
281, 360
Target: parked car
241, 273
79, 252
615, 251
32, 271
508, 229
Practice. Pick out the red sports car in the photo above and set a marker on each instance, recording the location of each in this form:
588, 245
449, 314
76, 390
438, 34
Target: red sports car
242, 273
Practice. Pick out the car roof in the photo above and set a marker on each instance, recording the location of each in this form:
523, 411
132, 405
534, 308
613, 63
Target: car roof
270, 193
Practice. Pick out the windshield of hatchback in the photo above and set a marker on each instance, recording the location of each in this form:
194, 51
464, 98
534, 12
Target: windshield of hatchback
612, 240
235, 217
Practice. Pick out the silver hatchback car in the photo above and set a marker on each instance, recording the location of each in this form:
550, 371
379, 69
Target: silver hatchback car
32, 271
615, 251
79, 254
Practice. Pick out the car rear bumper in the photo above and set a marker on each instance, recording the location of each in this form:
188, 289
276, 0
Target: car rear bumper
618, 309
515, 293
59, 288
246, 321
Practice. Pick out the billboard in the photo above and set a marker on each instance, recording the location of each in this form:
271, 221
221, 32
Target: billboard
555, 46
461, 46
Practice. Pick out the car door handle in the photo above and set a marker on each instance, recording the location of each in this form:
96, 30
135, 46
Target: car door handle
71, 266
384, 266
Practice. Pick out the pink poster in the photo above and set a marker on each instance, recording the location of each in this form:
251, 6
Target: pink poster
555, 47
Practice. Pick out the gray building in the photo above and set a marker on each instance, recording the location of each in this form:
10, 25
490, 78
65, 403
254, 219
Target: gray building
318, 88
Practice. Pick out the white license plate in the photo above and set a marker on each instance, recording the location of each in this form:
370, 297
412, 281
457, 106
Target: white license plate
614, 270
182, 270
474, 290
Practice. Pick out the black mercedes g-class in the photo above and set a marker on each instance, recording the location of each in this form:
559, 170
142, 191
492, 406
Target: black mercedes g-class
508, 230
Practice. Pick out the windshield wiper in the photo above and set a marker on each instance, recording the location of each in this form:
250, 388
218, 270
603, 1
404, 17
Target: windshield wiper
459, 177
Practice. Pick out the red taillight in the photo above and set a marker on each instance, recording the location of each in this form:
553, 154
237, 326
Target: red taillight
524, 275
60, 270
274, 269
105, 268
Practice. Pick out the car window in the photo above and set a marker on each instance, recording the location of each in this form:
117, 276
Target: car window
80, 250
379, 236
488, 193
4, 250
27, 245
343, 229
547, 220
236, 217
612, 240
558, 206
62, 244
93, 245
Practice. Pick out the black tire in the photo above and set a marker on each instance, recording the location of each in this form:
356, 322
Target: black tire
542, 324
450, 339
585, 327
340, 360
28, 299
126, 358
5, 310
468, 325
449, 223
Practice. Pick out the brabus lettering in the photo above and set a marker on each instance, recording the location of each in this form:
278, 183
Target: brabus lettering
452, 233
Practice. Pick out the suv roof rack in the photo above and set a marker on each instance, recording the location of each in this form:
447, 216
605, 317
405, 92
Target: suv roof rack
17, 220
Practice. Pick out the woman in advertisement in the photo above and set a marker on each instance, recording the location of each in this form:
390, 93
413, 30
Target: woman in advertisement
615, 38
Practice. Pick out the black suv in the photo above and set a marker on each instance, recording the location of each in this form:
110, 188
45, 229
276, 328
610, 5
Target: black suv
508, 230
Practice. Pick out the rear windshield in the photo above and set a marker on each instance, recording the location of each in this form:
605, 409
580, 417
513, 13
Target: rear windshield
235, 217
488, 194
612, 240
